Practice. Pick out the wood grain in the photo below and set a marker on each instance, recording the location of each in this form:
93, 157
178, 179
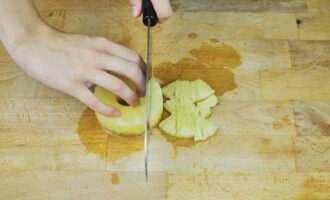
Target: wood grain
80, 4
83, 185
4, 56
15, 83
248, 86
272, 186
254, 118
231, 25
302, 84
312, 153
255, 54
318, 6
240, 6
314, 26
218, 154
312, 118
310, 54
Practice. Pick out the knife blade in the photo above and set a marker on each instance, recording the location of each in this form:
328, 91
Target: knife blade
149, 19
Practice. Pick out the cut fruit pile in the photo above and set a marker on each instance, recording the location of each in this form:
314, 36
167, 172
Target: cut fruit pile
189, 104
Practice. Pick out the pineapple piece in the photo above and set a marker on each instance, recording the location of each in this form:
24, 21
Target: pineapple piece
185, 125
209, 102
183, 106
169, 90
131, 121
206, 129
189, 103
204, 106
196, 90
201, 90
169, 125
203, 112
183, 90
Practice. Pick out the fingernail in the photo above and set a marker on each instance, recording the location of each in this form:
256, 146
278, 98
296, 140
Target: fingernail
116, 113
134, 11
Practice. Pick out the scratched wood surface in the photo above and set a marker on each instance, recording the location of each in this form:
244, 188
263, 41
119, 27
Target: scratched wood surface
269, 64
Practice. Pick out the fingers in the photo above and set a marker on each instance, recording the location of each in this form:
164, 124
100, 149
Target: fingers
163, 9
129, 69
115, 85
115, 49
136, 7
83, 94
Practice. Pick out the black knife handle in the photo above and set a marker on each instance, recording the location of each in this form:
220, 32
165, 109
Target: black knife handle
149, 13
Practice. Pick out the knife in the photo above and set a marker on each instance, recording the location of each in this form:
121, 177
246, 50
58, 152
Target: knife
149, 19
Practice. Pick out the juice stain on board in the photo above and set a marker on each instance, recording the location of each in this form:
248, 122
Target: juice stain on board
211, 63
115, 178
117, 147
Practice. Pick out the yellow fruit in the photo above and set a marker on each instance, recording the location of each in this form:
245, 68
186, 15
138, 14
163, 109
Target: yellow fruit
169, 125
188, 126
189, 103
196, 90
131, 121
203, 107
183, 106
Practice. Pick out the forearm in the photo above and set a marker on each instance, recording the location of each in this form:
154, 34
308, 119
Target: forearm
18, 18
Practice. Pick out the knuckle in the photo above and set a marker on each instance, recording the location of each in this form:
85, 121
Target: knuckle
165, 15
135, 57
93, 104
119, 86
136, 71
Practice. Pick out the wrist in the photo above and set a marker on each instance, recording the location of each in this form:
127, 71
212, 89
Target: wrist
17, 32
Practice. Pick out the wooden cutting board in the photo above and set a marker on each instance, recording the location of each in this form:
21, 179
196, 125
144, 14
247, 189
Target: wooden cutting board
270, 74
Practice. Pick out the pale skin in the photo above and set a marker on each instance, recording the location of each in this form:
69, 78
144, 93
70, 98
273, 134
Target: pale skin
73, 63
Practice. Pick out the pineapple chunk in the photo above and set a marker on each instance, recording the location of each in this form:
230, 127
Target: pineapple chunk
209, 102
196, 90
169, 125
185, 125
204, 106
201, 90
189, 103
206, 129
183, 106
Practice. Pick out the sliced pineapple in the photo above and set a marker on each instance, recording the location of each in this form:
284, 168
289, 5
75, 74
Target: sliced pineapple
201, 90
169, 125
204, 106
189, 103
131, 121
183, 106
185, 126
206, 128
196, 90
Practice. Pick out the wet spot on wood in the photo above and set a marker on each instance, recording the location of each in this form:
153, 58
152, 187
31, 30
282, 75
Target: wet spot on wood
265, 141
192, 35
209, 63
277, 124
115, 178
115, 147
213, 40
286, 120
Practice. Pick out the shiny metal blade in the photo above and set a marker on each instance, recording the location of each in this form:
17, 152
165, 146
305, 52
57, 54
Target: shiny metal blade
147, 103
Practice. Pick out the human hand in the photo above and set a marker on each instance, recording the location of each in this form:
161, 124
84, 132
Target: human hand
73, 63
162, 7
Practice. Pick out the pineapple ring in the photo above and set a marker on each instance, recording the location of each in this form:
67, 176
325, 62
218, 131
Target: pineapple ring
131, 121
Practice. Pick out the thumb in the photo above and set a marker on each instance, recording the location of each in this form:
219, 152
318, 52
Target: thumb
136, 7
